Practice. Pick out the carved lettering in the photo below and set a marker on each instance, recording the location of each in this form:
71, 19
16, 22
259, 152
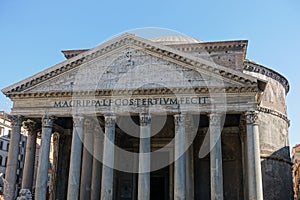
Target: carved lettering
130, 102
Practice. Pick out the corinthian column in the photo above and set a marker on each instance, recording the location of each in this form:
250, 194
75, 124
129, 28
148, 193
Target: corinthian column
12, 162
253, 157
32, 127
75, 160
108, 158
180, 156
43, 166
216, 171
97, 166
144, 157
87, 160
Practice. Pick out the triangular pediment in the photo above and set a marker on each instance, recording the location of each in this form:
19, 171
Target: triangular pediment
129, 62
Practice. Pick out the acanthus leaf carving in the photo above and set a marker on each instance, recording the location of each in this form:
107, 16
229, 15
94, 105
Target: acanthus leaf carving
251, 117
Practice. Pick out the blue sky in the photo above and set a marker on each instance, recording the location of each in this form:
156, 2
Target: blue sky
32, 33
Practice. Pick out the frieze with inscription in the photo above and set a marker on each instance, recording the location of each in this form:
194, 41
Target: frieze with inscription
130, 102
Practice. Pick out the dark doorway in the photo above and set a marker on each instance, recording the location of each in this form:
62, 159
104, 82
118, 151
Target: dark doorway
159, 184
157, 188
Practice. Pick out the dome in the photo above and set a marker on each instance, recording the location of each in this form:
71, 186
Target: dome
169, 40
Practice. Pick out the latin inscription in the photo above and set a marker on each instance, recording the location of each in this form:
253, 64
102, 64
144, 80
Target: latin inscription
130, 102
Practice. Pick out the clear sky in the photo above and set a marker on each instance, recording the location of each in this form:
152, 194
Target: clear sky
32, 33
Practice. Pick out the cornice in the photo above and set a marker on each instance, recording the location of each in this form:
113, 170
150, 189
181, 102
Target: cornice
72, 53
84, 57
156, 91
274, 113
211, 46
260, 69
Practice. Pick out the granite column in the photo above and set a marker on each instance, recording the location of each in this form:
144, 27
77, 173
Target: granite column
12, 162
216, 172
255, 189
43, 166
108, 158
87, 160
32, 128
180, 156
144, 157
75, 160
97, 165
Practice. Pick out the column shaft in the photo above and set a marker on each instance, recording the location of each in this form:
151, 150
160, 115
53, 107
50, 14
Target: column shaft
189, 186
97, 165
87, 160
28, 170
12, 162
108, 158
180, 156
216, 170
144, 157
255, 189
43, 166
191, 132
75, 160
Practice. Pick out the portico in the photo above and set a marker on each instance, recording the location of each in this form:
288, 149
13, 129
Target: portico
151, 127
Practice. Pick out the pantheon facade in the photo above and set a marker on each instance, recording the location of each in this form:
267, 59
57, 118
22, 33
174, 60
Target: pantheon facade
164, 118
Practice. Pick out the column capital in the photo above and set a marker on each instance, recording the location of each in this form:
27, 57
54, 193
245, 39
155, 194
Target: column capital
78, 120
16, 120
31, 126
89, 124
251, 117
98, 131
145, 119
110, 120
47, 120
179, 119
215, 119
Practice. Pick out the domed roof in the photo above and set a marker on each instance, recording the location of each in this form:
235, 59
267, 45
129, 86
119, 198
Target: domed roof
168, 40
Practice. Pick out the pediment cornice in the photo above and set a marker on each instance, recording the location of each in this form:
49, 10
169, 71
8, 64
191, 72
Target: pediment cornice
156, 91
130, 39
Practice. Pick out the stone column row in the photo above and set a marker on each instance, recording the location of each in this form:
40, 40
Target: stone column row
90, 186
12, 165
84, 175
254, 177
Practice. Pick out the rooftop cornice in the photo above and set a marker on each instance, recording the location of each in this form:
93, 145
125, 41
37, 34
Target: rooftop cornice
189, 47
122, 40
260, 69
209, 46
